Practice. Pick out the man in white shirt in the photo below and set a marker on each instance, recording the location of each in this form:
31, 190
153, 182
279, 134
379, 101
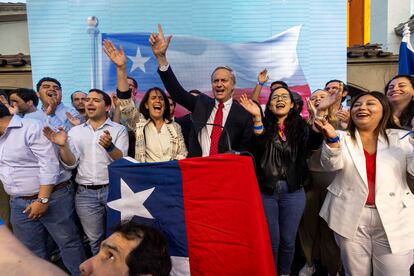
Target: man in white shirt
29, 170
91, 147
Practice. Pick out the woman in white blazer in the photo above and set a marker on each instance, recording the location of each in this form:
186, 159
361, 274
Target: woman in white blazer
369, 205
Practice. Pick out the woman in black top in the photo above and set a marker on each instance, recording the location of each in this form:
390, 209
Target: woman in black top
282, 144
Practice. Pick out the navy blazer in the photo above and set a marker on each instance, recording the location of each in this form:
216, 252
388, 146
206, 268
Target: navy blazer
239, 123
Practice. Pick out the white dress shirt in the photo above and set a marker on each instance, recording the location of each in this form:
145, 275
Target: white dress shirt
158, 144
27, 158
204, 137
91, 158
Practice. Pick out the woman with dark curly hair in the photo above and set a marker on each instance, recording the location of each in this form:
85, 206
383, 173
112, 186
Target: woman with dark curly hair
283, 141
158, 138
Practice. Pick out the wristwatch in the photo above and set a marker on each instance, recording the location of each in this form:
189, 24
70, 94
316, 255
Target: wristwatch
43, 200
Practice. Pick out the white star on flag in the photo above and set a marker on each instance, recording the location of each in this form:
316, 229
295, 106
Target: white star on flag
131, 204
138, 61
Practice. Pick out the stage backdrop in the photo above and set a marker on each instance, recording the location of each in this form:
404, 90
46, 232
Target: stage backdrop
302, 42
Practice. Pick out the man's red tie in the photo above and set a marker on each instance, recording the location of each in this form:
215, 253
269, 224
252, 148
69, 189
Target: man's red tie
215, 133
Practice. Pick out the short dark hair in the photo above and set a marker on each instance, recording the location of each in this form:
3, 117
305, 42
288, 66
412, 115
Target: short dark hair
344, 86
297, 98
26, 95
151, 255
281, 83
4, 111
174, 103
105, 96
134, 81
39, 83
78, 91
145, 112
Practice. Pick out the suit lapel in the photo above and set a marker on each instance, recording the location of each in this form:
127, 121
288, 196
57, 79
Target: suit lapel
356, 151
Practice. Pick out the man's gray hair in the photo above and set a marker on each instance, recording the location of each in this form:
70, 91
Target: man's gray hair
232, 72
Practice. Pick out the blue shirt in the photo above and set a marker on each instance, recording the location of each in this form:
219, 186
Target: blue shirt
27, 158
37, 115
59, 119
54, 122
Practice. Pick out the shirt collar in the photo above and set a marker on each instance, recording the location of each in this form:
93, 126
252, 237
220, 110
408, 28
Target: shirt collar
227, 103
16, 121
107, 122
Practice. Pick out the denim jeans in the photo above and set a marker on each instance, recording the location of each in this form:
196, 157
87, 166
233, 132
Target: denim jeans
283, 212
58, 221
91, 208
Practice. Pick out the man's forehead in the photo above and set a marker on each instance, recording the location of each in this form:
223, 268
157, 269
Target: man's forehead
79, 95
123, 245
49, 83
14, 96
334, 83
94, 95
220, 73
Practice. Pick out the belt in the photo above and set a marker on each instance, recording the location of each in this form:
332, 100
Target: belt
370, 206
93, 187
55, 188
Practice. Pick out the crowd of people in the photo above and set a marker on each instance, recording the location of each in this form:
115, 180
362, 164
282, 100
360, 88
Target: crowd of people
339, 181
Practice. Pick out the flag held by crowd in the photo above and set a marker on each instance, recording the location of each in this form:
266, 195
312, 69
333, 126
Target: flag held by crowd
209, 209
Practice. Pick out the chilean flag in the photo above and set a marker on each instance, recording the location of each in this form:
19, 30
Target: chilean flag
195, 58
209, 209
406, 55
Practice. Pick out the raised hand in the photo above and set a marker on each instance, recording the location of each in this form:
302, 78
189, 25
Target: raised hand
105, 140
325, 128
75, 121
263, 76
114, 101
250, 106
12, 109
117, 57
59, 138
311, 108
343, 115
159, 43
330, 100
52, 104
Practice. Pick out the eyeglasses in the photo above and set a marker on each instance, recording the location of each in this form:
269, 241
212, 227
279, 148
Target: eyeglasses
283, 97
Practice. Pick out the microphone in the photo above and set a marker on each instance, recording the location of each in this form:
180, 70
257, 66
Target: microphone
224, 129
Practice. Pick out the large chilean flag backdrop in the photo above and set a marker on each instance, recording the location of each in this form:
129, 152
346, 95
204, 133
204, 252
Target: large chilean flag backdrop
195, 58
209, 209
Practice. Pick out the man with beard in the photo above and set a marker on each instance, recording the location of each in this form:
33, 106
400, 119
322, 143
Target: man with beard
78, 99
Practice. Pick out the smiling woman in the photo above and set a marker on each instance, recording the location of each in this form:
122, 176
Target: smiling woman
158, 138
283, 141
371, 163
400, 93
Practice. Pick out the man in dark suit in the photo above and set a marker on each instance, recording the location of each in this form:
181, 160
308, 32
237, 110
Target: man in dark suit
205, 139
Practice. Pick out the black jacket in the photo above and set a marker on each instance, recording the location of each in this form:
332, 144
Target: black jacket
238, 124
276, 160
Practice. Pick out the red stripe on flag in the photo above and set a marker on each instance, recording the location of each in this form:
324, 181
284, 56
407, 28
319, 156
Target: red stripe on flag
226, 227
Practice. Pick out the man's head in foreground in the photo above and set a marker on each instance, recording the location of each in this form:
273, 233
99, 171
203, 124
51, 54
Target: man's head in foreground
132, 249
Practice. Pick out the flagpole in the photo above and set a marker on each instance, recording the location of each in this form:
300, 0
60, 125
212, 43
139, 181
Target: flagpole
93, 32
